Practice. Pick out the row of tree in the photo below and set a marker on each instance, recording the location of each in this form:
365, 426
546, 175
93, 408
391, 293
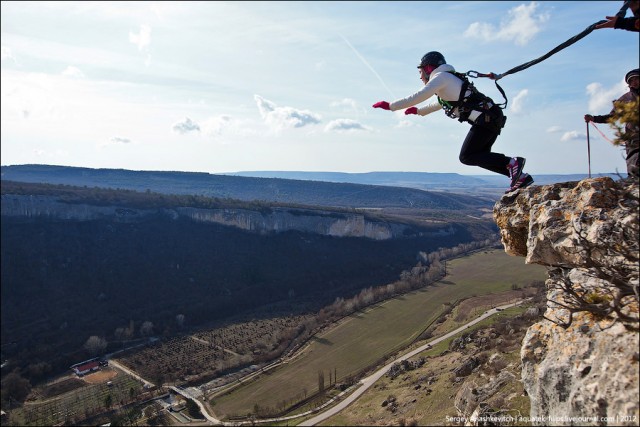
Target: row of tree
430, 268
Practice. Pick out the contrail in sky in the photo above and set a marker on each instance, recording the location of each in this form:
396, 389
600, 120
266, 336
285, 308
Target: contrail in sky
364, 61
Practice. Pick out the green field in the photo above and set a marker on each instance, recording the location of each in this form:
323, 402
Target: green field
364, 338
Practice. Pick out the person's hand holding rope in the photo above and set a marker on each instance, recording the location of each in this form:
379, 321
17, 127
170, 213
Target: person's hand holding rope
609, 23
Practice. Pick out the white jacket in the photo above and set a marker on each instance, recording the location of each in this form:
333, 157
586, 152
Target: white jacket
442, 84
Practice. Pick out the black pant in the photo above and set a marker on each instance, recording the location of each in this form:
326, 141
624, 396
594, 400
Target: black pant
476, 150
633, 152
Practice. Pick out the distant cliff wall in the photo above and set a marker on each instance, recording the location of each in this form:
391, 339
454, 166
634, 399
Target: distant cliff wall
580, 364
324, 222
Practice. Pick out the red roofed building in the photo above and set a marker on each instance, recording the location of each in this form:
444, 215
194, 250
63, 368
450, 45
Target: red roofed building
85, 368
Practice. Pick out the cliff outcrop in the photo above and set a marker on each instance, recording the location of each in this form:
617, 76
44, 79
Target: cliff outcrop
580, 364
276, 219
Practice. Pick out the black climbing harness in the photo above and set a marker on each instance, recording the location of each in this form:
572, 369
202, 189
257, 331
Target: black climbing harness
470, 99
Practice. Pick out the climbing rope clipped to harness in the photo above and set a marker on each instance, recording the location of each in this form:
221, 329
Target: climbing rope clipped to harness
495, 77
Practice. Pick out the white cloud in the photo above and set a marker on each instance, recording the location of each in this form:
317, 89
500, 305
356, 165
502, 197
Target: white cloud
73, 72
518, 101
520, 26
114, 140
225, 125
185, 126
554, 129
143, 38
345, 125
119, 140
600, 98
572, 136
279, 118
216, 126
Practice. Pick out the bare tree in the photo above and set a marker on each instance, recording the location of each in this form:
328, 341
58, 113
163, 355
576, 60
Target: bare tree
180, 320
119, 333
146, 328
95, 345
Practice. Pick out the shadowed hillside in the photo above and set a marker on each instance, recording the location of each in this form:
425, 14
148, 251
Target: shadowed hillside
80, 262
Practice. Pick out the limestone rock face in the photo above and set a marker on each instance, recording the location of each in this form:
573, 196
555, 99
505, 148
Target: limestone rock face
276, 219
471, 396
580, 364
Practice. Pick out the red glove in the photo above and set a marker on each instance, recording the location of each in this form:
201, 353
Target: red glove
411, 110
382, 104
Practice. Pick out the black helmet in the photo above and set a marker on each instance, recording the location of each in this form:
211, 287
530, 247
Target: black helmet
432, 58
630, 74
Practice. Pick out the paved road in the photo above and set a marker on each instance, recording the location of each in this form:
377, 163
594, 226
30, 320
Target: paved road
370, 380
188, 395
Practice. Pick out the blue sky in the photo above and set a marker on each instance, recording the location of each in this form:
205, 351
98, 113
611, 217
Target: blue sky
223, 87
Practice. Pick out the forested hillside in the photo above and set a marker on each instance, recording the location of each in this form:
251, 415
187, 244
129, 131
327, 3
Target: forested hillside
245, 188
65, 280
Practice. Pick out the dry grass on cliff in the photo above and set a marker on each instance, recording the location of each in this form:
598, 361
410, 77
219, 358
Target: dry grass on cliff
475, 306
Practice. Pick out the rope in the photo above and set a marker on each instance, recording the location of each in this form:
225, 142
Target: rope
600, 132
553, 51
623, 9
572, 40
495, 77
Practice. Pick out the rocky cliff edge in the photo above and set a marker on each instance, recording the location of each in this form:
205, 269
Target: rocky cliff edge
580, 364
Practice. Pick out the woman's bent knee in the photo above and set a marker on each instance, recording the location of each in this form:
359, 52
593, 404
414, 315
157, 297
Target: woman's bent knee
467, 160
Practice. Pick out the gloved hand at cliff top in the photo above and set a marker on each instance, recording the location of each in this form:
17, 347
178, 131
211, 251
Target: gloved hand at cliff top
382, 104
411, 110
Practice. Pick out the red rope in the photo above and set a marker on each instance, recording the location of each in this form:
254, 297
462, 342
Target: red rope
600, 132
